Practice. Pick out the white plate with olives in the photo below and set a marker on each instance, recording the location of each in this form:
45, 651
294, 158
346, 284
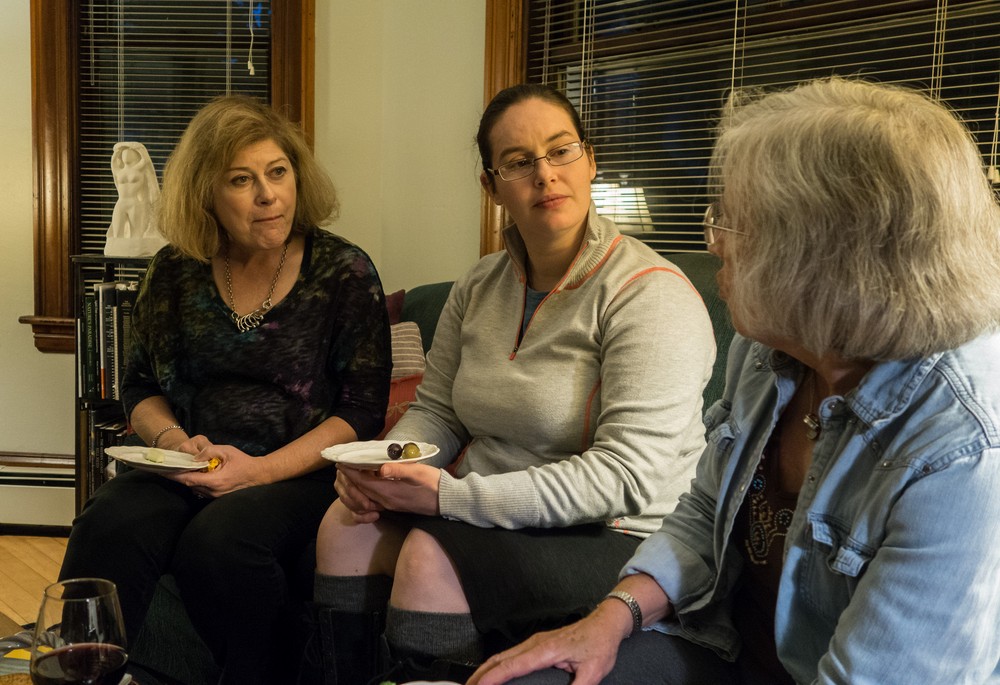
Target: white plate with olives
371, 454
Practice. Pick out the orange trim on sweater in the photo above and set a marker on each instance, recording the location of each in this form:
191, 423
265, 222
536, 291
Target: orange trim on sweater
607, 255
669, 271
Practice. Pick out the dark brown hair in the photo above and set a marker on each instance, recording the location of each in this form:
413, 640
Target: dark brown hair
508, 97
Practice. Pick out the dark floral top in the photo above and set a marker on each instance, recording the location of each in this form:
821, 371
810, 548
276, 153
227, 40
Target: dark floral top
322, 351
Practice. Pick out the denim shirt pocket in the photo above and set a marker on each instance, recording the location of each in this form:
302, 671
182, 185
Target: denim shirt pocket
832, 568
721, 435
716, 416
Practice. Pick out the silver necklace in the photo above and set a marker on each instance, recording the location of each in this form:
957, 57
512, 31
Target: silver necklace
247, 321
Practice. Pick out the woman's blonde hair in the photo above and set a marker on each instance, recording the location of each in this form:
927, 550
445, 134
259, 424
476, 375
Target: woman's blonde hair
872, 231
221, 129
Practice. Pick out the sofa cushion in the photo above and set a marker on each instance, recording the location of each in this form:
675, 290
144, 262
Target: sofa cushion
401, 394
407, 350
423, 305
394, 305
700, 268
407, 371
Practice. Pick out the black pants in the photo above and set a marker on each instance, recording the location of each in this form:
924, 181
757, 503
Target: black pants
652, 658
519, 582
229, 556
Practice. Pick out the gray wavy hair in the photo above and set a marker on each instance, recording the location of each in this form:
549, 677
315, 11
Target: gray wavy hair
872, 230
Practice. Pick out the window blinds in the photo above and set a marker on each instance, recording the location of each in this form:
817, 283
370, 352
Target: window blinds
650, 77
145, 68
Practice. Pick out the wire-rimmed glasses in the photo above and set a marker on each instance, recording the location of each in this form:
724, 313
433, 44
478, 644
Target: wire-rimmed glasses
711, 223
557, 156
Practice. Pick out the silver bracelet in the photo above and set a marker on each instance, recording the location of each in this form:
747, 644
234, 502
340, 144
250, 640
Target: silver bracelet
633, 606
156, 438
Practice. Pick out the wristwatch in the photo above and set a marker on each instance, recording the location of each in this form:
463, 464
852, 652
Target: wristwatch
633, 606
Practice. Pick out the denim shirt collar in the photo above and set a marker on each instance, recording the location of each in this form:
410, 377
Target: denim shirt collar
897, 379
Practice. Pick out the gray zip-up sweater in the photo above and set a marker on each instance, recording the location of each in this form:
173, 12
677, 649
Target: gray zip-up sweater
594, 416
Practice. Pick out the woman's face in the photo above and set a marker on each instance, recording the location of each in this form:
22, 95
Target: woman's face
725, 245
552, 201
722, 277
722, 248
254, 198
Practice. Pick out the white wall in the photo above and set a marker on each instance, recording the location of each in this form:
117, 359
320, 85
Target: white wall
395, 127
397, 82
36, 390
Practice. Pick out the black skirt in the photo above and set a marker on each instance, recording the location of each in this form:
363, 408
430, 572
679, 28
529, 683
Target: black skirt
518, 582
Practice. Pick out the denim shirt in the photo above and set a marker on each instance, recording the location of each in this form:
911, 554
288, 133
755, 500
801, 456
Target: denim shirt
892, 559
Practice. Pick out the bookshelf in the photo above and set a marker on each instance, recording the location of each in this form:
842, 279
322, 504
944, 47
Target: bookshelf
104, 290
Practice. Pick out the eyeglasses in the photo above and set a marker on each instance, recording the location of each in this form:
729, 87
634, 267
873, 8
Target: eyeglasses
711, 225
557, 156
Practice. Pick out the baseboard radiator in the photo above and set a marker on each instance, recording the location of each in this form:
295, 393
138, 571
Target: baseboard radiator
36, 496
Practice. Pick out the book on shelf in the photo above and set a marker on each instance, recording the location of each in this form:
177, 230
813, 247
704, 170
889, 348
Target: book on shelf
89, 365
125, 294
105, 295
105, 329
106, 427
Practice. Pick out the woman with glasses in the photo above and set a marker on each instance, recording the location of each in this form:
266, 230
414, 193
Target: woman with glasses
842, 526
564, 391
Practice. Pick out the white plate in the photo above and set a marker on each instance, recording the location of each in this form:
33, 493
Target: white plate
172, 461
371, 454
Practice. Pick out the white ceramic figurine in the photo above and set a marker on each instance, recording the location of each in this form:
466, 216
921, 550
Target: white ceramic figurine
133, 231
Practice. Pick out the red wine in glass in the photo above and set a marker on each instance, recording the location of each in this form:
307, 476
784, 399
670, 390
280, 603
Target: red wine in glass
83, 663
79, 638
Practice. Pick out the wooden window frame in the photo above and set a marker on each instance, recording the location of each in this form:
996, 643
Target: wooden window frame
506, 53
54, 65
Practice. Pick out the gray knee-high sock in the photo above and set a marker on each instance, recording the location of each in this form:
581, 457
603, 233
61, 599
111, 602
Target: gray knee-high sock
352, 593
442, 636
350, 613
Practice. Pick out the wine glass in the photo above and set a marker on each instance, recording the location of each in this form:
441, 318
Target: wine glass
79, 638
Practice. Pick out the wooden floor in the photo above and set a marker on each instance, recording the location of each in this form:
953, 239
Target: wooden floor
27, 566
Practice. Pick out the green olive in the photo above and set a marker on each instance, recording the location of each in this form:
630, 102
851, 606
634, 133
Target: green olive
410, 451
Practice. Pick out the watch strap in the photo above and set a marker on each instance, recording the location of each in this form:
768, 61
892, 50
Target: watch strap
633, 607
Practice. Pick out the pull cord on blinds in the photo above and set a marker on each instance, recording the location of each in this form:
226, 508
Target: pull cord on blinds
650, 76
146, 67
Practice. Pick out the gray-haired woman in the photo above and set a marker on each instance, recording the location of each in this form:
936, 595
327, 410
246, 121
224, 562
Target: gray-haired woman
842, 525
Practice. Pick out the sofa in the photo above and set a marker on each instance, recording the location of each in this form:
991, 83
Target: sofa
168, 647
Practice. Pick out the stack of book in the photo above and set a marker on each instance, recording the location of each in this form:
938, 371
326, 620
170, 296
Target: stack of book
105, 330
106, 427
